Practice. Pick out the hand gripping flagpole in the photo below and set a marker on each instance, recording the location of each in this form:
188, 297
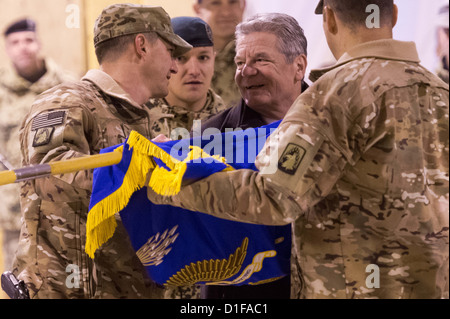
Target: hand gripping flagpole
60, 167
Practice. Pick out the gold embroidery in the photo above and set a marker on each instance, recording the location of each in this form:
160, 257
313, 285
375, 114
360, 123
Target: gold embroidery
210, 270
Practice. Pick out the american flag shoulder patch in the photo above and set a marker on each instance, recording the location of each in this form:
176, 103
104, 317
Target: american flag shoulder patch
48, 119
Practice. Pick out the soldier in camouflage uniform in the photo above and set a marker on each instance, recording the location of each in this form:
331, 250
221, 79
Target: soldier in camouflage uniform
27, 76
223, 16
135, 46
190, 96
362, 169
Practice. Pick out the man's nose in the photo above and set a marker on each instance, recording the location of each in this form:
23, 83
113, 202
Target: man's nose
193, 67
22, 45
248, 70
226, 9
174, 66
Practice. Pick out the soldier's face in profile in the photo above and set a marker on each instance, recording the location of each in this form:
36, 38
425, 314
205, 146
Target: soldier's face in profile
160, 66
265, 79
195, 72
23, 49
222, 15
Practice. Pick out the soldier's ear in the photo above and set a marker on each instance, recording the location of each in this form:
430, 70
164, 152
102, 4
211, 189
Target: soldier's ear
394, 15
329, 19
140, 45
196, 8
300, 64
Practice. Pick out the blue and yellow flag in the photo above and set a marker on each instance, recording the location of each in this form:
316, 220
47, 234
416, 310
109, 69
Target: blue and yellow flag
180, 247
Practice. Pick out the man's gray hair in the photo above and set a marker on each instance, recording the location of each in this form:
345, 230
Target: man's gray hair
291, 38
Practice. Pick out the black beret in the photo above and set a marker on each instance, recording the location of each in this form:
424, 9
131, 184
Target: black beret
194, 31
21, 25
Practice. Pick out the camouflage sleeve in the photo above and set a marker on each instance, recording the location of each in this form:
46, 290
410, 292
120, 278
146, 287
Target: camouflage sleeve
56, 135
298, 167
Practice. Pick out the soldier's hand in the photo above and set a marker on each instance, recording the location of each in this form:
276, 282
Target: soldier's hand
161, 138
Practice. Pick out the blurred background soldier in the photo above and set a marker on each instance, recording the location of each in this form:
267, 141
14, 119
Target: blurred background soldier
136, 49
190, 95
443, 42
223, 16
28, 75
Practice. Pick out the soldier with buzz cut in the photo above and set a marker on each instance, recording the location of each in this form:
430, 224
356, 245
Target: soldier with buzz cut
363, 169
27, 75
136, 49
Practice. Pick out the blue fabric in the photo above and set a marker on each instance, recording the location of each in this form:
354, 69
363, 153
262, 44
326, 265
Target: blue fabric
181, 239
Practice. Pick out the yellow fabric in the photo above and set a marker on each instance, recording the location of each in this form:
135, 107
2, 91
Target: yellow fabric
101, 223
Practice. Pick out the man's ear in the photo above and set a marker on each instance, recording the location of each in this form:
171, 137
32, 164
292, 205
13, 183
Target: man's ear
140, 43
196, 8
244, 2
394, 15
300, 64
329, 18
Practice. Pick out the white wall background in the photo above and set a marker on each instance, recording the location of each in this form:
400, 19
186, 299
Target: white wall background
416, 23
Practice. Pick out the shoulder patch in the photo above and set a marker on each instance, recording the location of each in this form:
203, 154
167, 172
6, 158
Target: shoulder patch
291, 158
43, 136
48, 119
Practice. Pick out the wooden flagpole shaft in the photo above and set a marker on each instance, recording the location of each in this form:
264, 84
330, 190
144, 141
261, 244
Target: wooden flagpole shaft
60, 167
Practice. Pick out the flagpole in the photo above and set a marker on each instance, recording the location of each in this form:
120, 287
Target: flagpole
60, 167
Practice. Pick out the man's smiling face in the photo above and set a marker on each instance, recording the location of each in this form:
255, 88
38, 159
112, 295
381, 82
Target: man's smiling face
263, 75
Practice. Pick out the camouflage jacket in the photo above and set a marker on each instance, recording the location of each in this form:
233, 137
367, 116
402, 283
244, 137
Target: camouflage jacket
224, 71
362, 169
16, 96
73, 120
166, 118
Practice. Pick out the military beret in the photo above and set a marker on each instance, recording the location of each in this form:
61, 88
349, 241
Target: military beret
195, 31
21, 25
125, 19
319, 8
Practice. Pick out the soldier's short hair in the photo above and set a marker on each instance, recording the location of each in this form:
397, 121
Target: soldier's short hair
115, 47
353, 12
291, 38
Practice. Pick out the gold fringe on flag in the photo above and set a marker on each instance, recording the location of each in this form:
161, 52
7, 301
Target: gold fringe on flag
101, 222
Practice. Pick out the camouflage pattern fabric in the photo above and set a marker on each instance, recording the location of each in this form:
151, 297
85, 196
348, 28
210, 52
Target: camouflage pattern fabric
363, 173
124, 19
224, 71
166, 118
16, 96
73, 120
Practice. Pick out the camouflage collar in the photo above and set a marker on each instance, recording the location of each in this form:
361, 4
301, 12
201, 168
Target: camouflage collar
107, 85
387, 49
228, 50
212, 102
